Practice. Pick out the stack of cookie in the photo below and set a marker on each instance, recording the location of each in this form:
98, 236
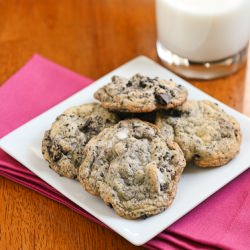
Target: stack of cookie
132, 164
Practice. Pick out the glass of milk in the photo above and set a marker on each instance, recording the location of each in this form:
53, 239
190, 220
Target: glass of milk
203, 38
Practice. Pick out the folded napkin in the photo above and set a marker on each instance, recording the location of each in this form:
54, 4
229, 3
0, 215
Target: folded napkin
221, 222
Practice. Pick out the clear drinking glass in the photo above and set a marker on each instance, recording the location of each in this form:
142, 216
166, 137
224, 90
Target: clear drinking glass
203, 38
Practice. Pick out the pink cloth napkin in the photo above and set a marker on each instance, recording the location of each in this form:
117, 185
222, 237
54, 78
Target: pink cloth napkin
221, 222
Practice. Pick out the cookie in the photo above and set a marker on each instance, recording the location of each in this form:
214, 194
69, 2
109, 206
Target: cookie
132, 168
63, 144
140, 94
207, 135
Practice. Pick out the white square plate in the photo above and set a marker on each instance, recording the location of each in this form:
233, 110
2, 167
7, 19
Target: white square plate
25, 142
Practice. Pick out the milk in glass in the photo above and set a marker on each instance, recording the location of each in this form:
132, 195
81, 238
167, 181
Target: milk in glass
203, 30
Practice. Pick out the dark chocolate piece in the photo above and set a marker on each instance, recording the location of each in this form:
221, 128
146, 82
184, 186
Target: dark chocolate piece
163, 98
142, 84
163, 186
144, 216
129, 84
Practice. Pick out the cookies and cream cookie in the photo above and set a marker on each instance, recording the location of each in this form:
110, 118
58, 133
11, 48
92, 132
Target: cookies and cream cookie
140, 94
206, 134
63, 144
132, 168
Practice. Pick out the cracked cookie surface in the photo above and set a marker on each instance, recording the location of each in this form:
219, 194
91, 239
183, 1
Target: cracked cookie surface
63, 144
207, 135
140, 94
132, 168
